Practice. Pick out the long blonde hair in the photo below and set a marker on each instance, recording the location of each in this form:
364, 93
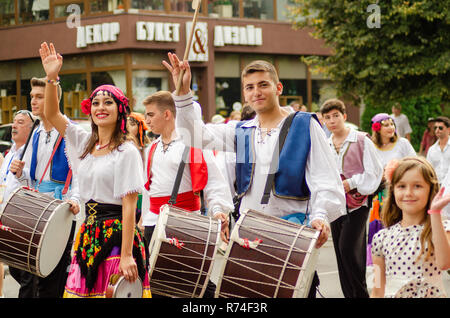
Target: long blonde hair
391, 213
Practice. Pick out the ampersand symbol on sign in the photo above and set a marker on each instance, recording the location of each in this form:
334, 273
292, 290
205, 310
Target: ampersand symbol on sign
198, 45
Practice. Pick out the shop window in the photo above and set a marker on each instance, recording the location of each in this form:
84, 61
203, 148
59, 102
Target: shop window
293, 90
223, 8
33, 10
9, 102
29, 69
148, 4
322, 89
74, 88
283, 6
105, 5
7, 13
148, 58
181, 5
61, 10
107, 59
258, 9
73, 63
116, 78
145, 83
228, 92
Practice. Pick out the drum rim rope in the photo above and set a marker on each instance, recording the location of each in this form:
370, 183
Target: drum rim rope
203, 261
42, 237
287, 259
311, 252
160, 237
38, 217
32, 233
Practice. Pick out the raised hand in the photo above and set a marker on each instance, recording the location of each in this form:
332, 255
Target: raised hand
51, 61
175, 68
440, 200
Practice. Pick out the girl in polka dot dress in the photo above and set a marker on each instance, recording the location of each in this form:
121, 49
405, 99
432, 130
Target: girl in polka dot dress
414, 247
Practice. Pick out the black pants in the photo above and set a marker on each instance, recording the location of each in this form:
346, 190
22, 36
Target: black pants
26, 280
349, 239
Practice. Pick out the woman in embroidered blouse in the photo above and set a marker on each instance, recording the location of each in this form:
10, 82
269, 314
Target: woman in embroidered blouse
110, 178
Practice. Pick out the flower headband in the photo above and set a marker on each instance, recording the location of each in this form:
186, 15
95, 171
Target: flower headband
393, 164
124, 109
389, 169
378, 119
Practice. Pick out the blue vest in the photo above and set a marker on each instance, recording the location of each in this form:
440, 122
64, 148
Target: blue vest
59, 167
290, 180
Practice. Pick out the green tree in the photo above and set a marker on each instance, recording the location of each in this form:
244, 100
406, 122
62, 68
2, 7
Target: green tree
405, 55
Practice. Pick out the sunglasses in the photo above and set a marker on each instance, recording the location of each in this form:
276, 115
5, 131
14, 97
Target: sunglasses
439, 127
27, 112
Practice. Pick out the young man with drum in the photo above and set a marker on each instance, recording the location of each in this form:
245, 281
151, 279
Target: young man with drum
361, 170
46, 167
21, 128
200, 174
162, 162
321, 194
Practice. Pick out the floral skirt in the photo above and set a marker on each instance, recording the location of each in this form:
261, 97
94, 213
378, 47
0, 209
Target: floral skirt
97, 257
76, 283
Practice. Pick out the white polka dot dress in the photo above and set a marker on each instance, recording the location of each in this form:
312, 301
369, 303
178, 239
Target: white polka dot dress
407, 276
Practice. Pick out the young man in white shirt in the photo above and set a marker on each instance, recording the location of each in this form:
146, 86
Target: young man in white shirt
200, 175
439, 153
401, 122
52, 181
361, 170
162, 160
21, 128
320, 198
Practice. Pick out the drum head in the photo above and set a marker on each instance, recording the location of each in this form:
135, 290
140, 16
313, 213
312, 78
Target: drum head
55, 238
127, 289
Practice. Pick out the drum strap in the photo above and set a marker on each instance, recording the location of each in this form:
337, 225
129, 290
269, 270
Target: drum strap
276, 155
176, 186
69, 174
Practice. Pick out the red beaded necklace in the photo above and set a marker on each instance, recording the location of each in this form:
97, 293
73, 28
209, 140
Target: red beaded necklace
98, 147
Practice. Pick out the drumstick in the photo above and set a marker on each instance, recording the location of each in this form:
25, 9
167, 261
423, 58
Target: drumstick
196, 7
35, 124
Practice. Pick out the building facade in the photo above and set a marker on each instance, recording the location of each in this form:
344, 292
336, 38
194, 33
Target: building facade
123, 42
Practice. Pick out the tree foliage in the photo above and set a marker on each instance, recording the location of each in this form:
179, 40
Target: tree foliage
407, 56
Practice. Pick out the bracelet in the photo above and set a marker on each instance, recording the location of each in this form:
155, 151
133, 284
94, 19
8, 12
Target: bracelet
54, 82
434, 211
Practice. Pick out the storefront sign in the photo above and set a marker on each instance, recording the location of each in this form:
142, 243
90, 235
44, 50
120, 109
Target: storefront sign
97, 33
199, 45
157, 31
234, 35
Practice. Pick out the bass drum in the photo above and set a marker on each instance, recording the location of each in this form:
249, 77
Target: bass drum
35, 231
268, 257
182, 251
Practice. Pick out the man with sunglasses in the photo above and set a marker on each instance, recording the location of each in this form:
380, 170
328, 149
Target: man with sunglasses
21, 128
439, 153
